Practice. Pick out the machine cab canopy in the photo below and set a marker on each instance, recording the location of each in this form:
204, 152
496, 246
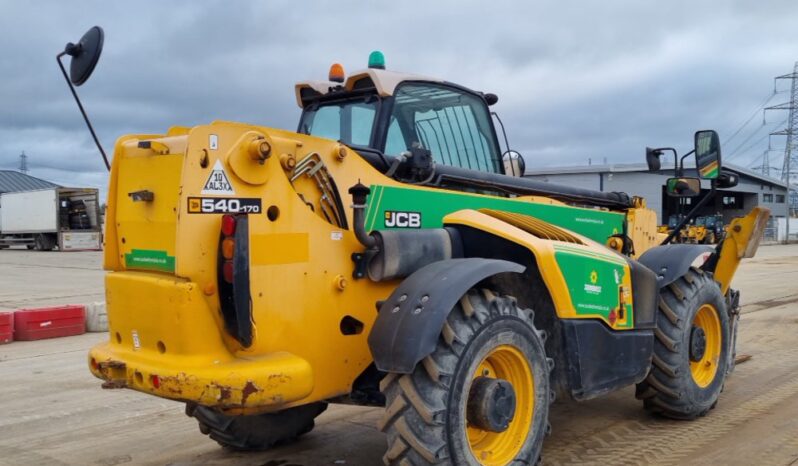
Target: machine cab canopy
392, 112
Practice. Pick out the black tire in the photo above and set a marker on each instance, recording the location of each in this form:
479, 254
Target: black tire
255, 432
425, 416
671, 389
44, 242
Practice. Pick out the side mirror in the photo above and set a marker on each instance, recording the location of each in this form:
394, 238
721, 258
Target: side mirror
727, 180
514, 164
85, 55
652, 158
707, 154
683, 187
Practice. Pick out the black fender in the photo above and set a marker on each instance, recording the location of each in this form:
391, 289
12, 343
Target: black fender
672, 261
411, 319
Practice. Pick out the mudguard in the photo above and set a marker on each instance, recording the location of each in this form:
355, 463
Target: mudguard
411, 319
672, 261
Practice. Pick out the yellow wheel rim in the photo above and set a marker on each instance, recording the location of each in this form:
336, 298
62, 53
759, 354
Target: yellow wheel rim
500, 448
704, 370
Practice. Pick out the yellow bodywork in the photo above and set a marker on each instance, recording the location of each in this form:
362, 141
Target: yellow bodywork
167, 335
741, 241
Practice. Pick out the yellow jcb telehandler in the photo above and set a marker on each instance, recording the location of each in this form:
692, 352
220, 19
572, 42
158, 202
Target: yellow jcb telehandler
386, 253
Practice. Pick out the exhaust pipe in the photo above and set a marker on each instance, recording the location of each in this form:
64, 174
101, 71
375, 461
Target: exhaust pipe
392, 254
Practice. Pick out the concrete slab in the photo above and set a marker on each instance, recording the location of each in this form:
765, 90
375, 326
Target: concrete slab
52, 411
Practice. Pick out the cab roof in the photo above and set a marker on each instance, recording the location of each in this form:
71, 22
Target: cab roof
383, 81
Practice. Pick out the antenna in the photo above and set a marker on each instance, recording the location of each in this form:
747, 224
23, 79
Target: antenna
85, 55
23, 163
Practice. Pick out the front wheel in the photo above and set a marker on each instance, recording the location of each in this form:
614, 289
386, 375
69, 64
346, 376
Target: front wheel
691, 349
481, 398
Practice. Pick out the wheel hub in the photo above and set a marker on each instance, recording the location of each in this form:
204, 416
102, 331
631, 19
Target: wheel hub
491, 404
698, 344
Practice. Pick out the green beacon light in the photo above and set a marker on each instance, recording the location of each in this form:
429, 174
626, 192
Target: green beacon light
377, 60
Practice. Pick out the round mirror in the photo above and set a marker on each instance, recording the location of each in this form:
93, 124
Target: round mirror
514, 164
85, 55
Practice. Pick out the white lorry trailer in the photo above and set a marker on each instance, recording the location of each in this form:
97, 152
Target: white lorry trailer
66, 218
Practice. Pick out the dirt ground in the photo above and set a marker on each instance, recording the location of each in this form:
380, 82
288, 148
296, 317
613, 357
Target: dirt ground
52, 411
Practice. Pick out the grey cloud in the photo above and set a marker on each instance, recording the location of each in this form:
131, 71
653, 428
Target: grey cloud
575, 79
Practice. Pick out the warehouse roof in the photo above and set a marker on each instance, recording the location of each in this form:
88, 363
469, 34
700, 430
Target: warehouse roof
642, 167
14, 181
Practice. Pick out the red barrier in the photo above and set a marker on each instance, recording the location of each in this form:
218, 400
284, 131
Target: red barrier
49, 322
6, 327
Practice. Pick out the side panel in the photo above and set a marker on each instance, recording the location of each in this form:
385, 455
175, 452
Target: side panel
29, 212
597, 283
586, 281
601, 360
79, 241
431, 205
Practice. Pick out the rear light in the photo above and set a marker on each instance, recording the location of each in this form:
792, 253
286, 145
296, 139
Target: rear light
228, 246
227, 271
233, 277
228, 225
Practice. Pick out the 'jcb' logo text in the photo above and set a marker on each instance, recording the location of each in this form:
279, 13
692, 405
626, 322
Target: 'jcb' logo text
396, 219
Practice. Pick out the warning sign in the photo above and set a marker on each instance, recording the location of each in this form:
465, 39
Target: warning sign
218, 183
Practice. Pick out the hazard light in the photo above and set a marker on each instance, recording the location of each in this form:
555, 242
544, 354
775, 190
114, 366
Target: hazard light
336, 73
377, 60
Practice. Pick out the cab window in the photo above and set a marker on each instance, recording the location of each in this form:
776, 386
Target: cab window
453, 125
350, 122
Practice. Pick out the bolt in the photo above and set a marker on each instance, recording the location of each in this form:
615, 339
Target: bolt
259, 150
340, 153
395, 310
288, 162
340, 282
402, 298
424, 299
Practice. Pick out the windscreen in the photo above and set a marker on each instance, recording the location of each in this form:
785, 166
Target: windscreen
453, 125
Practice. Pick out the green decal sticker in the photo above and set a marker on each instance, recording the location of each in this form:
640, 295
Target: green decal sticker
594, 282
150, 260
399, 207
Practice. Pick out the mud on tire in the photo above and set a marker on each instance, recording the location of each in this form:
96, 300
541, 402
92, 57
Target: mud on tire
255, 432
670, 388
424, 418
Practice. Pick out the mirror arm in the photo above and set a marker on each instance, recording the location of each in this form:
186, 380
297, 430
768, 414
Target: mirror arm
690, 215
680, 171
82, 111
504, 133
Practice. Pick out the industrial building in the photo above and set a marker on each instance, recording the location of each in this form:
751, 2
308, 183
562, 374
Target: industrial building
12, 181
753, 189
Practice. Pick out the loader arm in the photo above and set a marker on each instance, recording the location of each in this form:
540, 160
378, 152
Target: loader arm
741, 242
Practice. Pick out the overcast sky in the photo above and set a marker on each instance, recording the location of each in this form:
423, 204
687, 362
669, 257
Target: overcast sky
575, 80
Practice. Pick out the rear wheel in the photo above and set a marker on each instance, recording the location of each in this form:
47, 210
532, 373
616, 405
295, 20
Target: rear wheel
44, 242
481, 398
691, 350
258, 431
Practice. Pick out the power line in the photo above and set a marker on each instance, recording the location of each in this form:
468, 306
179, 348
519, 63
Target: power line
754, 133
758, 108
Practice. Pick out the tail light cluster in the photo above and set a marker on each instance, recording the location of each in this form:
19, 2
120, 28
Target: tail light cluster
233, 272
228, 247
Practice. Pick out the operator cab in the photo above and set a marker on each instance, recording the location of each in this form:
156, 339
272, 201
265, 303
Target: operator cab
389, 113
